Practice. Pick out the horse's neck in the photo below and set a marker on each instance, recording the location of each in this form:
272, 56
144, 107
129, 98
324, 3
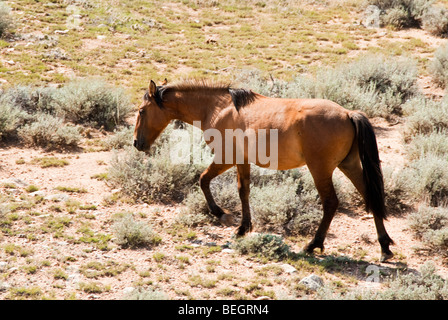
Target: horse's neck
197, 111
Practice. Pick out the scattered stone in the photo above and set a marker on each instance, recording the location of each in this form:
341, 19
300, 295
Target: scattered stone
58, 197
288, 268
61, 31
4, 286
57, 54
16, 181
37, 194
128, 290
312, 282
228, 250
3, 265
13, 269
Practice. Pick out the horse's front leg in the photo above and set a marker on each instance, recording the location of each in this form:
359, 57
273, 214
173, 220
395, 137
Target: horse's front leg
243, 171
211, 172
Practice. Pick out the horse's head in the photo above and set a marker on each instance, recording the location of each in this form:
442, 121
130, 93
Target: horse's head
151, 120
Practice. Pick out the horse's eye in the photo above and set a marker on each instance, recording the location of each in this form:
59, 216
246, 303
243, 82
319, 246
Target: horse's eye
141, 111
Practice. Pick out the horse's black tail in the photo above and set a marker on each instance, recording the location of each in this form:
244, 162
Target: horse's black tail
371, 165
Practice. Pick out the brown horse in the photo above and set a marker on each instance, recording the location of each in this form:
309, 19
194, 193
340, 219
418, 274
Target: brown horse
313, 132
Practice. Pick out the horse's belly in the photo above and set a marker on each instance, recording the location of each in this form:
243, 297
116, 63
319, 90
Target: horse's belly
280, 161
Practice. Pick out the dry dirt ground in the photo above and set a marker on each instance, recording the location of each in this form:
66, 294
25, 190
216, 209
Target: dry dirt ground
35, 261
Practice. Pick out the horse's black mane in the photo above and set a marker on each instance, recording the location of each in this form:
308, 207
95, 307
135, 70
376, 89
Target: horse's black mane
240, 97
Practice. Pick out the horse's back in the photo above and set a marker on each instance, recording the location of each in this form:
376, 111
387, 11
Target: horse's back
309, 130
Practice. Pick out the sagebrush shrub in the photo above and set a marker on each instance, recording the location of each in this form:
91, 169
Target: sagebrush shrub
377, 85
427, 179
32, 99
154, 178
131, 233
3, 212
431, 225
38, 112
435, 20
264, 245
122, 137
11, 118
92, 101
438, 67
49, 131
423, 285
421, 145
286, 204
145, 294
402, 13
426, 116
5, 19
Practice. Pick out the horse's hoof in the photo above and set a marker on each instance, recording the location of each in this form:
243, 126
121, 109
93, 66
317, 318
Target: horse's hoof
226, 219
386, 256
310, 248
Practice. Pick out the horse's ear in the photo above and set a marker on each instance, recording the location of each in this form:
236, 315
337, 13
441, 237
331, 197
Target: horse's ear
164, 83
152, 89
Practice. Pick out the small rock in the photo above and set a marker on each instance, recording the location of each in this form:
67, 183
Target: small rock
37, 194
128, 290
61, 31
228, 250
13, 269
312, 282
288, 268
57, 197
4, 286
16, 181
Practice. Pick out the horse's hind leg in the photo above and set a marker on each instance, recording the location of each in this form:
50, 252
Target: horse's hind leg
324, 185
211, 172
243, 190
351, 167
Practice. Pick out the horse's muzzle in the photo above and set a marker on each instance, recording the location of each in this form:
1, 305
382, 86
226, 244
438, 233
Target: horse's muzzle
139, 145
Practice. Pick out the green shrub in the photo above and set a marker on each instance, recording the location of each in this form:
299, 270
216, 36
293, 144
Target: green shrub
93, 102
435, 143
431, 225
435, 20
32, 100
39, 115
427, 219
427, 179
145, 294
50, 132
4, 210
121, 138
279, 201
264, 245
131, 233
11, 118
423, 285
5, 19
396, 189
438, 67
426, 116
377, 85
286, 205
154, 178
402, 13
